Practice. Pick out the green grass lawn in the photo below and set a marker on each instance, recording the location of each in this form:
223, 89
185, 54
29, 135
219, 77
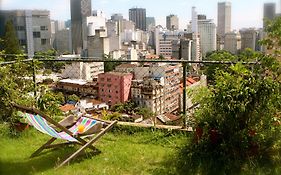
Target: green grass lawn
123, 153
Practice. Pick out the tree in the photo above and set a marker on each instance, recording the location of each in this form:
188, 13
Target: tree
211, 69
146, 113
128, 107
73, 98
52, 64
161, 57
14, 88
236, 121
272, 40
10, 43
49, 102
109, 66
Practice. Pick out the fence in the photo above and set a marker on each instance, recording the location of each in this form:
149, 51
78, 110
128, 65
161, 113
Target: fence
159, 85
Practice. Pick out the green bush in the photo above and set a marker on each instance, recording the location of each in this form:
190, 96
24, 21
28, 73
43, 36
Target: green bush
236, 121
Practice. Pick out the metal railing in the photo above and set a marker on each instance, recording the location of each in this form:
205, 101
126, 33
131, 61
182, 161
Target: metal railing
50, 64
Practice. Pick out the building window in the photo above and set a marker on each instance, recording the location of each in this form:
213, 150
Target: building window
36, 34
102, 79
109, 79
43, 28
22, 42
20, 28
43, 41
116, 92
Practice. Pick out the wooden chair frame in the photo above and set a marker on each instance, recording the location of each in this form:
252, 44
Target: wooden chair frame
80, 141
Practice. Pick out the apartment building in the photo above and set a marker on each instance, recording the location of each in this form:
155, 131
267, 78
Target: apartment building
114, 87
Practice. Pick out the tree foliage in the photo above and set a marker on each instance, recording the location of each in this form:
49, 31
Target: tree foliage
73, 98
238, 122
272, 40
238, 119
49, 102
109, 66
14, 88
10, 43
128, 107
52, 64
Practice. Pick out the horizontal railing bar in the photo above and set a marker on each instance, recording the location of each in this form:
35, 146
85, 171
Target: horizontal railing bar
147, 61
94, 59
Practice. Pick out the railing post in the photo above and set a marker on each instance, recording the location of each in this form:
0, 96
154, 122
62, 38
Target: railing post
184, 65
34, 78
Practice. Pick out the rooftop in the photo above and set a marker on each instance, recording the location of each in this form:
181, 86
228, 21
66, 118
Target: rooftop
74, 81
67, 107
126, 66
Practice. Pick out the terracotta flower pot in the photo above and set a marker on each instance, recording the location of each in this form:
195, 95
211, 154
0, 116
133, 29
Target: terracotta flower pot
198, 134
21, 126
214, 136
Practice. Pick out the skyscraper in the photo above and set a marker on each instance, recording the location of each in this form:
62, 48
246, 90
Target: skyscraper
150, 23
172, 22
138, 16
224, 18
80, 10
207, 34
195, 38
269, 12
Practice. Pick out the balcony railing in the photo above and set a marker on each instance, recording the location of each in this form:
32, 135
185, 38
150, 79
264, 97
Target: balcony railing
54, 70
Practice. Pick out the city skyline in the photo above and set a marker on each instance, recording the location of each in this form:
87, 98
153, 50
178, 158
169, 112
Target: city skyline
244, 13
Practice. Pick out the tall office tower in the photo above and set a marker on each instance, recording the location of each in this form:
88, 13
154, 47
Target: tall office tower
269, 10
224, 18
150, 23
80, 10
138, 16
196, 40
194, 27
33, 28
207, 34
172, 22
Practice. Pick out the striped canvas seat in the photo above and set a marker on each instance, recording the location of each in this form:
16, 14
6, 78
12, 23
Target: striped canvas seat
84, 127
41, 124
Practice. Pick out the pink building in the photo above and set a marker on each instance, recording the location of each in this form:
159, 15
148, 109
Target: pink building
114, 87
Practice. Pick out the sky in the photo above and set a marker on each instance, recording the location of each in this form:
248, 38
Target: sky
245, 13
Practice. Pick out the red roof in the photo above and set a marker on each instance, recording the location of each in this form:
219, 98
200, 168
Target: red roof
172, 117
67, 107
94, 102
189, 82
126, 66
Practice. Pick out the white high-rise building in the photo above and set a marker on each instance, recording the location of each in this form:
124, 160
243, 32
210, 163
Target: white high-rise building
95, 23
207, 34
196, 55
224, 18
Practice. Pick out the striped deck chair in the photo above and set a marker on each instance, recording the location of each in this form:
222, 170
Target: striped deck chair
92, 128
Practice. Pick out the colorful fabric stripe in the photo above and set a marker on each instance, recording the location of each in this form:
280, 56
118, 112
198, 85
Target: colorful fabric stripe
41, 125
87, 123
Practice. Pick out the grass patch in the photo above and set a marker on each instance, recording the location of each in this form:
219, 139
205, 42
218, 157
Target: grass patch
124, 150
143, 152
